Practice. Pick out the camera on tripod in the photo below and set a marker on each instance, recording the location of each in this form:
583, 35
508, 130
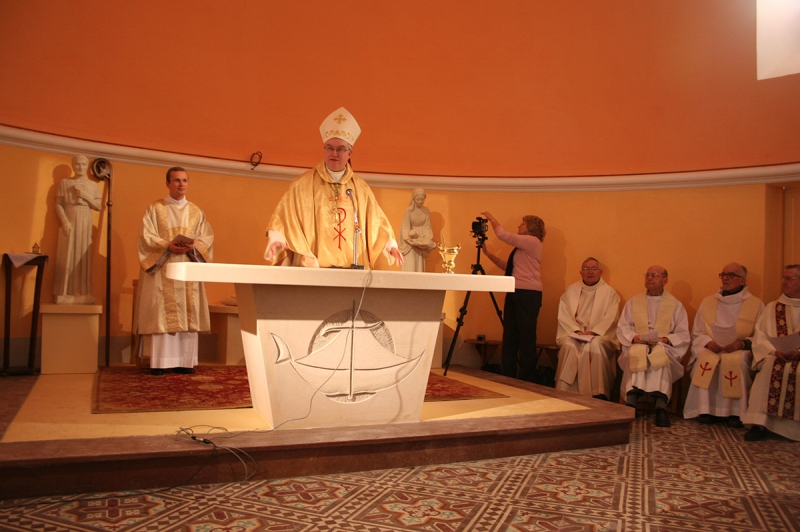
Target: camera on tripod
479, 228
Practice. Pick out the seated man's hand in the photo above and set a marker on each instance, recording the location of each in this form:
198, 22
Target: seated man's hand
274, 249
734, 346
788, 356
663, 340
637, 340
714, 347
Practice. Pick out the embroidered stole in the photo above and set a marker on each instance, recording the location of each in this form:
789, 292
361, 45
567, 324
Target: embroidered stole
776, 407
730, 374
657, 356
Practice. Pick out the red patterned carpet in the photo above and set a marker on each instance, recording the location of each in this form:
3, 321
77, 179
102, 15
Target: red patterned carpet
122, 389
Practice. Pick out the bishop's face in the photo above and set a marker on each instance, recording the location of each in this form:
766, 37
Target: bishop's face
337, 153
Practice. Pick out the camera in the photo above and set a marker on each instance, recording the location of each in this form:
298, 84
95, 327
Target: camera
479, 227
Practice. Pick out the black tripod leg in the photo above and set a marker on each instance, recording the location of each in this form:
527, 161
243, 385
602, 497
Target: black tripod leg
497, 308
460, 321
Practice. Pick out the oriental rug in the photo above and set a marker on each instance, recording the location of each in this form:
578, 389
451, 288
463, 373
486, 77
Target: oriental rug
126, 389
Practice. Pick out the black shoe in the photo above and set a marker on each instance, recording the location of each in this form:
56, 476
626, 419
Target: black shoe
662, 418
707, 419
601, 396
756, 433
157, 372
183, 371
734, 422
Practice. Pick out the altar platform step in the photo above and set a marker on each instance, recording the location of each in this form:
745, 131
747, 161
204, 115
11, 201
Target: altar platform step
558, 421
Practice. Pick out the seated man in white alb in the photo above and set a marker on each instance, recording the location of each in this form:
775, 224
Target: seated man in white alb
587, 334
773, 402
721, 351
654, 333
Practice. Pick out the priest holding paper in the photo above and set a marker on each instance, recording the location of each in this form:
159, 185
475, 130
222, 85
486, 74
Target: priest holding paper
171, 313
722, 351
329, 216
654, 333
587, 334
774, 405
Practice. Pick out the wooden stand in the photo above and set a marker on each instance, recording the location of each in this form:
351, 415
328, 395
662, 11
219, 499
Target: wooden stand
486, 349
69, 338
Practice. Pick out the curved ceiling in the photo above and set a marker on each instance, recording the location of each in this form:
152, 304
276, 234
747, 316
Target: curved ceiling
453, 87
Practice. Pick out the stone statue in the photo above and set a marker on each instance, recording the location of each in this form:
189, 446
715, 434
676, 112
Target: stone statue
75, 199
416, 234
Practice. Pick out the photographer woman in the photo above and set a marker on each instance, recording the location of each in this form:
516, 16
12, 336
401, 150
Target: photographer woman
521, 309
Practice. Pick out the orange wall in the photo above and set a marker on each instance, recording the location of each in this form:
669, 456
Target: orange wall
691, 232
453, 87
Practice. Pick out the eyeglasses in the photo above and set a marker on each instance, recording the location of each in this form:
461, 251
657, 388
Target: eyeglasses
592, 269
728, 275
653, 275
340, 150
789, 279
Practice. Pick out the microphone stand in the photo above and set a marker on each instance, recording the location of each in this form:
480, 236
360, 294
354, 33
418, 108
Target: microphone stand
356, 232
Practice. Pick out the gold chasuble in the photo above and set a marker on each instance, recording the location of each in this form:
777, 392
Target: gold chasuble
315, 216
730, 375
641, 353
166, 305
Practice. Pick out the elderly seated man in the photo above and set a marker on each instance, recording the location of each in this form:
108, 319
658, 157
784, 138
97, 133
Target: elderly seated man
721, 351
587, 334
773, 402
654, 333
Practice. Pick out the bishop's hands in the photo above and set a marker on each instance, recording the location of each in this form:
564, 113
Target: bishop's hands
275, 248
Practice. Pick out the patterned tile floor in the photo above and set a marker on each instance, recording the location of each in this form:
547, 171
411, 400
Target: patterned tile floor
689, 477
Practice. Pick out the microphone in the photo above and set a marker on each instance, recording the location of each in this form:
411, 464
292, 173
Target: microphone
356, 231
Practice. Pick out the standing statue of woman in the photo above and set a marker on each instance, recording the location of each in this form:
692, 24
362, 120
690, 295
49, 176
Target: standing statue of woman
416, 234
75, 200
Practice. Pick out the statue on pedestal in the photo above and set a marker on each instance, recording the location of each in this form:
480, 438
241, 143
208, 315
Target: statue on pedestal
416, 234
75, 199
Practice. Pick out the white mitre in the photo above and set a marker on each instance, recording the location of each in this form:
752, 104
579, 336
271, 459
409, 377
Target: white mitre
340, 124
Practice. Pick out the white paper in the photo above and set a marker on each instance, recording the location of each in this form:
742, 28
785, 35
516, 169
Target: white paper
724, 336
183, 239
786, 343
581, 337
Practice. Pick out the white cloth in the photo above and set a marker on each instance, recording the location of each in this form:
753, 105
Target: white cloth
589, 367
653, 380
710, 401
178, 350
763, 359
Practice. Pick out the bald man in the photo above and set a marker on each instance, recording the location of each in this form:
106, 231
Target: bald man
654, 333
721, 351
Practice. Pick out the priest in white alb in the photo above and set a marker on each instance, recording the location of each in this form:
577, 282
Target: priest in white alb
774, 405
171, 313
721, 351
329, 216
587, 334
654, 333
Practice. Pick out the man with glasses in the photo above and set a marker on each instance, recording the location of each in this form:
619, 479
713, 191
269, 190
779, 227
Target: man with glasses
654, 333
587, 334
774, 404
721, 351
314, 223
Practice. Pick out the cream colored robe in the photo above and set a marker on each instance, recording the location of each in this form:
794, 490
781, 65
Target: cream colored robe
167, 306
73, 279
710, 401
763, 359
317, 226
588, 368
653, 380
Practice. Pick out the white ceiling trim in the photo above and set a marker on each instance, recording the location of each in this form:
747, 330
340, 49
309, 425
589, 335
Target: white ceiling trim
774, 174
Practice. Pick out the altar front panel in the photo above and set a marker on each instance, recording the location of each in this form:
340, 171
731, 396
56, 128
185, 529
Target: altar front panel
305, 370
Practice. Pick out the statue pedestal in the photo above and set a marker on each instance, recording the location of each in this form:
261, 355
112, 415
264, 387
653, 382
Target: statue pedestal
335, 347
69, 338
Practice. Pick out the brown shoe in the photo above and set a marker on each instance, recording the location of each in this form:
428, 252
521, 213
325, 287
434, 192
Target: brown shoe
662, 418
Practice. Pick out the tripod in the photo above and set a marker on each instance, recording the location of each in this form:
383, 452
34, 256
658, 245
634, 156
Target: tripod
481, 238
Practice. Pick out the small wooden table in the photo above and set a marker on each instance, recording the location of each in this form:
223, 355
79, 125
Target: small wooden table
486, 349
